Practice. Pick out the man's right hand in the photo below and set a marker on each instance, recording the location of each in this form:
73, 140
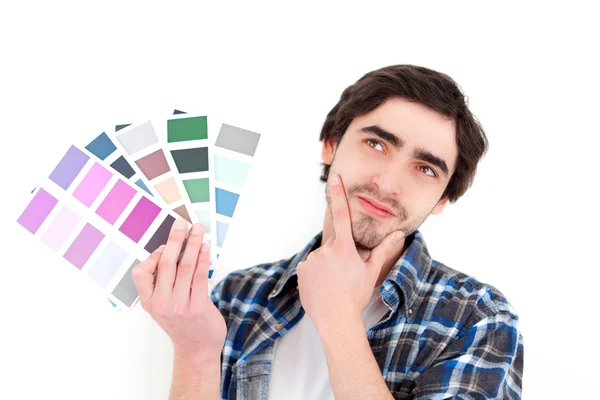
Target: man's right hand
178, 298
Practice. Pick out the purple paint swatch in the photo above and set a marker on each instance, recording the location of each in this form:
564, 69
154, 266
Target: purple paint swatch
93, 183
115, 202
69, 167
37, 211
140, 219
83, 246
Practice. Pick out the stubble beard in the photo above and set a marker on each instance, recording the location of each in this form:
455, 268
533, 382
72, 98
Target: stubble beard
365, 228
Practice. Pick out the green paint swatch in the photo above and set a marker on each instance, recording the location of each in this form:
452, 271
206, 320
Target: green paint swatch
183, 129
231, 171
198, 190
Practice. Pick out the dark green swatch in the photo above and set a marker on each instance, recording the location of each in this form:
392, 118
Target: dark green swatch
191, 160
183, 129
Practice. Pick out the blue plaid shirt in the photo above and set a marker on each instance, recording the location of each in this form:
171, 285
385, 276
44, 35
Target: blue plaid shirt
446, 335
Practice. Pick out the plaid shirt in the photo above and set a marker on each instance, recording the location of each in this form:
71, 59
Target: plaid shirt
446, 334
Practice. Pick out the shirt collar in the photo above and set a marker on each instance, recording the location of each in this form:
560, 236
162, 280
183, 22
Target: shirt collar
403, 281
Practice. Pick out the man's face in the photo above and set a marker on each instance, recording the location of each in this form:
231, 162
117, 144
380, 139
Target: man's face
396, 171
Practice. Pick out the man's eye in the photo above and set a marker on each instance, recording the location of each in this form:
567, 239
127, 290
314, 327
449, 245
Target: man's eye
426, 167
375, 142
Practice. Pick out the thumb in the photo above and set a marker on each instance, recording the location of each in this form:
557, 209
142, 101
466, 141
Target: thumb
381, 252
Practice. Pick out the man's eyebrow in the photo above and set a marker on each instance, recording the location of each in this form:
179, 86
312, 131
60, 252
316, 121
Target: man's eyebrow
419, 153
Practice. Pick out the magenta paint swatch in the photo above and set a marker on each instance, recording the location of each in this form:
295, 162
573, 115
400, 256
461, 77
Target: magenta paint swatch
140, 219
37, 211
83, 246
93, 183
69, 167
115, 202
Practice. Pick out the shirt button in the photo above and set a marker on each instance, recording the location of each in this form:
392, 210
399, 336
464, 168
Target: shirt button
410, 311
278, 326
233, 367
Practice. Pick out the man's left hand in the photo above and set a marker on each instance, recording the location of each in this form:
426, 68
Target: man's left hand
335, 284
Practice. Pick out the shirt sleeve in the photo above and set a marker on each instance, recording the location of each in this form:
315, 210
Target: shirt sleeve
484, 362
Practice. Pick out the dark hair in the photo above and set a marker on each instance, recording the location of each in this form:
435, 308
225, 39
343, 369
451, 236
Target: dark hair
419, 85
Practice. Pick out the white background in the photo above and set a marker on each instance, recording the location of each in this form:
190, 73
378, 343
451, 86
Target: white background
528, 225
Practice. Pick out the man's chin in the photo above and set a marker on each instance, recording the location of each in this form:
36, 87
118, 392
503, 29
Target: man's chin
366, 245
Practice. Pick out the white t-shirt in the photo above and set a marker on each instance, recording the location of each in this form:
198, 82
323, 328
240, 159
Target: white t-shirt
299, 369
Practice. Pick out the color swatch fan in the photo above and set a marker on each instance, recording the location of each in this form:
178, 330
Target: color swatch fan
112, 201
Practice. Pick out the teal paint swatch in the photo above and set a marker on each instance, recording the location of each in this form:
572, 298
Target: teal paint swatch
231, 171
198, 190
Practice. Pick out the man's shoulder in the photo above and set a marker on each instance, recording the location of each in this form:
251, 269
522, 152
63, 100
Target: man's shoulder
450, 286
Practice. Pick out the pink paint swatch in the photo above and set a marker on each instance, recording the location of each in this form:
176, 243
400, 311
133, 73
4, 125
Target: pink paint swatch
93, 183
115, 202
83, 246
140, 219
60, 228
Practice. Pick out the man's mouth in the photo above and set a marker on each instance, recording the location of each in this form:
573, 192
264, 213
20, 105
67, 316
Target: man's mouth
372, 207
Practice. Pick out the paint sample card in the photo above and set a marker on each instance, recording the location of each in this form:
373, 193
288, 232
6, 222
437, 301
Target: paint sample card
232, 156
108, 150
143, 149
186, 142
216, 182
97, 222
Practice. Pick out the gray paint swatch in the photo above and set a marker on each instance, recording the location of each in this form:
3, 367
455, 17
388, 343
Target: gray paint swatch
125, 290
191, 160
122, 166
161, 235
138, 138
237, 139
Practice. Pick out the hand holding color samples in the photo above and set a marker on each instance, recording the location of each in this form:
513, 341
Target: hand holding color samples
178, 298
334, 282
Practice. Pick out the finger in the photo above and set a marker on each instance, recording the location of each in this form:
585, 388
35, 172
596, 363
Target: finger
200, 278
381, 252
143, 275
339, 209
168, 261
187, 265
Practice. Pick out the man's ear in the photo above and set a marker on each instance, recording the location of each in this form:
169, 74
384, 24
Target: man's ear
328, 151
439, 207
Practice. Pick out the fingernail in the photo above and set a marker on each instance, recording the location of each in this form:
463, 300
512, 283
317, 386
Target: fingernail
180, 225
335, 179
160, 249
197, 229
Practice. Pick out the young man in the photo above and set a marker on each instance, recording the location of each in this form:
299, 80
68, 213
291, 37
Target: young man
362, 312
